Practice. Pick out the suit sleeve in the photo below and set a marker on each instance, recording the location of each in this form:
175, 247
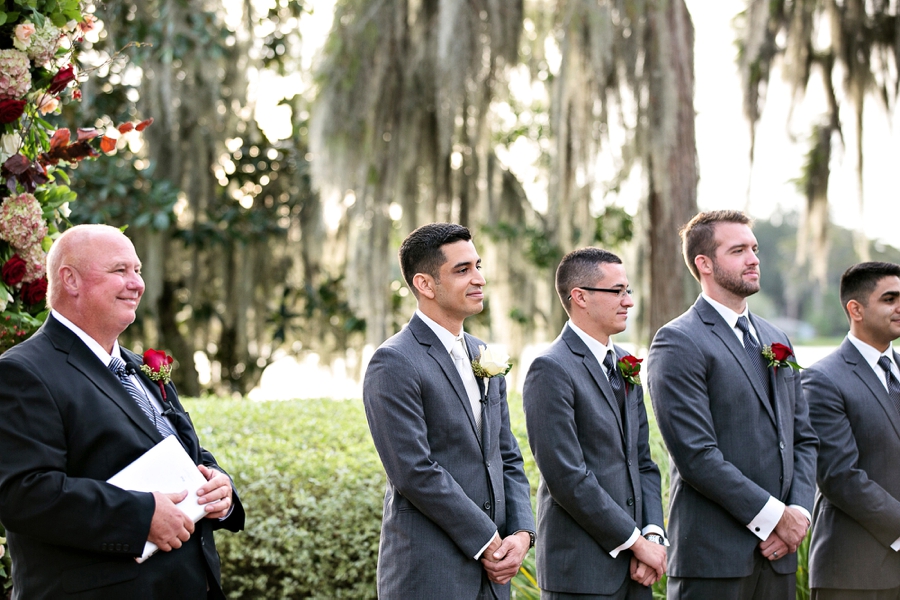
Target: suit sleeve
651, 483
392, 396
37, 498
677, 380
840, 479
549, 397
516, 488
806, 450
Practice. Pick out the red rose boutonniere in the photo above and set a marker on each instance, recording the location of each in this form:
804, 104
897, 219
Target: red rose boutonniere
630, 367
777, 355
158, 367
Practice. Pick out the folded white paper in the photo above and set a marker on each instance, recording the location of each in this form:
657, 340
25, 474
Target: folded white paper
165, 468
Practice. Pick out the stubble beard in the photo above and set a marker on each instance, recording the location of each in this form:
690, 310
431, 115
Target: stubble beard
734, 284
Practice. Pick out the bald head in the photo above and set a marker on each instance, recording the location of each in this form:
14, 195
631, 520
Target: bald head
94, 280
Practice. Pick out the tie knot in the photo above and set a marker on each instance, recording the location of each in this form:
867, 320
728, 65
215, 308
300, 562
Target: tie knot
117, 366
885, 363
743, 324
610, 361
458, 351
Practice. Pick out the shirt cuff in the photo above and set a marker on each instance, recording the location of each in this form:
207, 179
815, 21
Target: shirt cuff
764, 523
483, 548
628, 543
804, 512
658, 531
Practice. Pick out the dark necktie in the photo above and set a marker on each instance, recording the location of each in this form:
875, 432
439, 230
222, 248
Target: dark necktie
754, 352
117, 366
893, 385
615, 378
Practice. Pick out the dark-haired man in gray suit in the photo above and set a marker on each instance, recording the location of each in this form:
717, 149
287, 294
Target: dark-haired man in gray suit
457, 515
854, 405
737, 429
599, 505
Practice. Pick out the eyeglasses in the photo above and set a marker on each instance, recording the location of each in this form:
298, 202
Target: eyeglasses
619, 292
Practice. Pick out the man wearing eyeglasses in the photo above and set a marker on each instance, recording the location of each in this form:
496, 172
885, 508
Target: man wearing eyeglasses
743, 452
600, 514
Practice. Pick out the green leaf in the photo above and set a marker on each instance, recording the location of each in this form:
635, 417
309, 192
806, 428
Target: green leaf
2, 18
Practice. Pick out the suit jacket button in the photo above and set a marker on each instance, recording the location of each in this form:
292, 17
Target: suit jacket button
630, 502
118, 547
487, 506
488, 464
125, 547
781, 445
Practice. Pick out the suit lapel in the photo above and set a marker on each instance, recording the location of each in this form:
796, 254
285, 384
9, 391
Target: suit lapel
439, 354
867, 375
171, 407
595, 369
720, 329
81, 358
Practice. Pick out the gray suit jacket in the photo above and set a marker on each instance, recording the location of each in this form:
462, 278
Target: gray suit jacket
729, 450
857, 513
446, 493
598, 481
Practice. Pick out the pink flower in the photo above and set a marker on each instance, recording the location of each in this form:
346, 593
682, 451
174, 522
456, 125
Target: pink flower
23, 33
89, 23
15, 74
35, 262
47, 104
44, 43
22, 221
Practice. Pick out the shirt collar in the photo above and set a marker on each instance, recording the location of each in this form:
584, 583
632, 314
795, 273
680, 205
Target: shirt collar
90, 342
597, 349
443, 334
870, 354
727, 314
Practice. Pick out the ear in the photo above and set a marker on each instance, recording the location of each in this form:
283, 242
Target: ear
70, 280
855, 311
578, 298
704, 264
424, 285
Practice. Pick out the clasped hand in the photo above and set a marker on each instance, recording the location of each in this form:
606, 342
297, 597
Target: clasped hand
170, 528
502, 559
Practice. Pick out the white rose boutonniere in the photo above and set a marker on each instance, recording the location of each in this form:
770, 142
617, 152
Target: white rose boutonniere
491, 362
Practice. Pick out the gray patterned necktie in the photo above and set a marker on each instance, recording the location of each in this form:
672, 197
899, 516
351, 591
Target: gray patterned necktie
754, 352
893, 385
615, 378
117, 366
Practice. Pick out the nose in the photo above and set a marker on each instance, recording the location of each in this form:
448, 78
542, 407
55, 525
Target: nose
627, 301
478, 278
136, 282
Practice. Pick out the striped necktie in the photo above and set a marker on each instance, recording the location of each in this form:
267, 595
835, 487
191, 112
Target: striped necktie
893, 385
754, 352
117, 366
615, 378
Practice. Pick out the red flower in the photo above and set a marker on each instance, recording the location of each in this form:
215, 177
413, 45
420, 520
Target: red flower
630, 367
781, 352
10, 110
34, 292
14, 270
158, 367
61, 80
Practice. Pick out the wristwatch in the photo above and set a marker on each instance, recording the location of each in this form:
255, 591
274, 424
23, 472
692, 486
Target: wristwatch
530, 537
655, 538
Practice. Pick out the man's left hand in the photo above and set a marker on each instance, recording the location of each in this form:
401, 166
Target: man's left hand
503, 563
215, 493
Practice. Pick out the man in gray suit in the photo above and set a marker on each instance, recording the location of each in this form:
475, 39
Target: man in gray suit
457, 513
736, 425
599, 505
854, 405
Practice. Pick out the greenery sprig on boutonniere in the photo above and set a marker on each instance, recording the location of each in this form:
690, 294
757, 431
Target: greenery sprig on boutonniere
158, 367
630, 367
777, 355
491, 362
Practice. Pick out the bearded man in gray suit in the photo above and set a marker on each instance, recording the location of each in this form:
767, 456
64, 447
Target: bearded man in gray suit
457, 516
736, 425
599, 505
854, 405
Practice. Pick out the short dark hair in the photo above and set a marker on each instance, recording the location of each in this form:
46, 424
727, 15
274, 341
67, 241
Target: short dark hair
859, 281
577, 268
699, 235
421, 251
